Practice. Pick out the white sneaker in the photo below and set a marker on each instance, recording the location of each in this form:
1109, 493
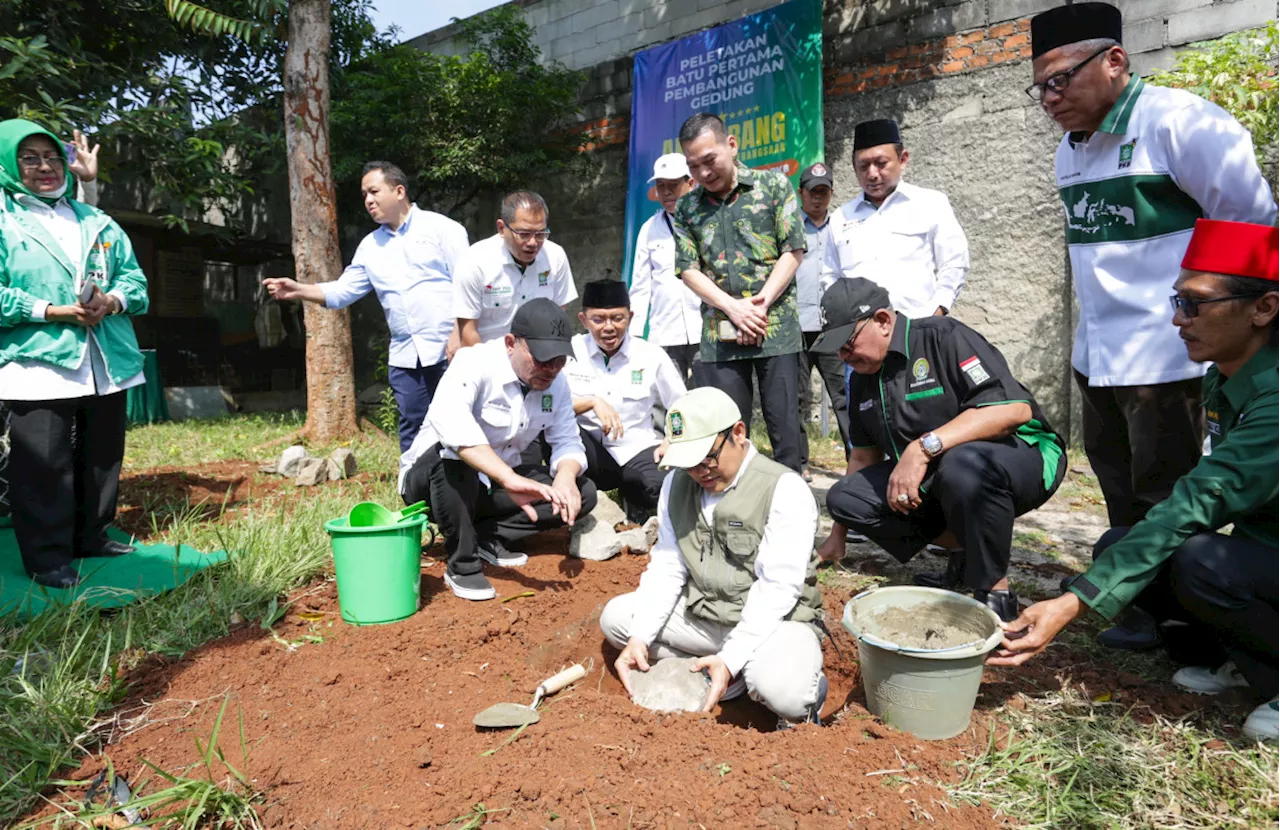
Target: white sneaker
1206, 681
1263, 723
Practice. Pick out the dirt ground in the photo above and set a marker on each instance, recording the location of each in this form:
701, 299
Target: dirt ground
348, 727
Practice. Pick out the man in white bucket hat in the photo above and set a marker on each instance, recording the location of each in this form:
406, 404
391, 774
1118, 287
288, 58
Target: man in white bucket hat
666, 311
732, 579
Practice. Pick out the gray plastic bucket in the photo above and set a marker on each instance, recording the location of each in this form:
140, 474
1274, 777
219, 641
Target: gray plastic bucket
927, 692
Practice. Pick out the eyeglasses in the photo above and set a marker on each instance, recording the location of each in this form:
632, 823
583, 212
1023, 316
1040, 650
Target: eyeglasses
713, 458
1190, 306
848, 344
530, 236
34, 162
1059, 82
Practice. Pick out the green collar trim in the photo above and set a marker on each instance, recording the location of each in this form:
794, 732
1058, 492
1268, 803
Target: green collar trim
1117, 120
1240, 387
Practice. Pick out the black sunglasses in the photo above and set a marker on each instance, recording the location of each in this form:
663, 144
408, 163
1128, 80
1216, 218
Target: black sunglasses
1060, 81
714, 456
1190, 306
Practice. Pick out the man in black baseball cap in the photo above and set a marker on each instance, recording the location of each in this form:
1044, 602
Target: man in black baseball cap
492, 403
946, 444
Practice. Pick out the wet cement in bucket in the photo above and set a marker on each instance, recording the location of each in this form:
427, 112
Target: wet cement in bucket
911, 629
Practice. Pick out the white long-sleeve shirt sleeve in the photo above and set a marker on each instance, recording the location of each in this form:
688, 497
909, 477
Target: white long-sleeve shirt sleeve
670, 383
641, 288
1214, 163
781, 565
563, 434
452, 411
950, 256
663, 581
351, 286
831, 269
468, 287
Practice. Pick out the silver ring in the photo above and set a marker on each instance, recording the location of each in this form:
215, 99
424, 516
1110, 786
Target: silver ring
902, 497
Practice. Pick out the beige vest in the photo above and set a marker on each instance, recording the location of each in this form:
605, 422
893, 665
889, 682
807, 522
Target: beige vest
721, 558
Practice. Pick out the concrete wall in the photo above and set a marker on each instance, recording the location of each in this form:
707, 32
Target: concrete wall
951, 71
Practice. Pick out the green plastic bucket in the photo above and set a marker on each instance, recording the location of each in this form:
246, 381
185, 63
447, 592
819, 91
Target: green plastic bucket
927, 692
378, 568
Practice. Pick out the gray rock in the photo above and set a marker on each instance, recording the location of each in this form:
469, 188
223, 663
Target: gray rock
650, 529
593, 539
291, 459
313, 471
608, 511
669, 686
345, 462
634, 540
333, 470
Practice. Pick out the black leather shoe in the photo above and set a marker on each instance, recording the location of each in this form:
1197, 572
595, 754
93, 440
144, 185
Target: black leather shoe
947, 579
63, 577
109, 548
1004, 603
1136, 630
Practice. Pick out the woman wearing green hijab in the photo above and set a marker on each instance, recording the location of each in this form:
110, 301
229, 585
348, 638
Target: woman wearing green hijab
68, 282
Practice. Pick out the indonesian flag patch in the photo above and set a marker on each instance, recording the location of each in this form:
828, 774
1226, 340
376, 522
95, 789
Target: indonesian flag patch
973, 368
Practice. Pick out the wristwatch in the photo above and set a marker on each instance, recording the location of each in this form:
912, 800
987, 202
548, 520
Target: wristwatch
931, 444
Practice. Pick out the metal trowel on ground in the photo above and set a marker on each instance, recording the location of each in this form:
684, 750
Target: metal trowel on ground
510, 715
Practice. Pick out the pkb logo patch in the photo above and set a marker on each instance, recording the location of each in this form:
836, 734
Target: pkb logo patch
677, 424
637, 376
1126, 154
542, 278
973, 368
547, 401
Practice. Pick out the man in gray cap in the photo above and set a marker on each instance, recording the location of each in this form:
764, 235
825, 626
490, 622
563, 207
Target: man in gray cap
968, 448
1137, 166
732, 579
904, 237
816, 188
493, 401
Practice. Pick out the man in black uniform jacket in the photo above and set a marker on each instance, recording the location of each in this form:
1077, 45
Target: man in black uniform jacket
967, 446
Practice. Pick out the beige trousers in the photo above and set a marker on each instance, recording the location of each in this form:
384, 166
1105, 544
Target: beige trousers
782, 674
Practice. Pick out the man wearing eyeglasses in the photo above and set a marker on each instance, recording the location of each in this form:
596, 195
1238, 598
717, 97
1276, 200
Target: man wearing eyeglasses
968, 448
518, 263
1137, 166
409, 262
616, 379
493, 401
732, 579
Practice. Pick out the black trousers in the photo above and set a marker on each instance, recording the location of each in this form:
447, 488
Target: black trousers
974, 490
1228, 585
639, 480
778, 382
686, 359
467, 512
64, 476
831, 368
1140, 440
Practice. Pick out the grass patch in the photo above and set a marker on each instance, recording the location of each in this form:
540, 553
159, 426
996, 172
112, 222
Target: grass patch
1064, 761
61, 671
824, 450
187, 443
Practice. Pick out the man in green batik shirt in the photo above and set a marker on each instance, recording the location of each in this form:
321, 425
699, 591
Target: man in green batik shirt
739, 239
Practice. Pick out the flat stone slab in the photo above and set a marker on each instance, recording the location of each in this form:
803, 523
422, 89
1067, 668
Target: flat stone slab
669, 686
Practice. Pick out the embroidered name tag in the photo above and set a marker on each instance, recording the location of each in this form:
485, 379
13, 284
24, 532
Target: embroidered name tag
735, 524
867, 404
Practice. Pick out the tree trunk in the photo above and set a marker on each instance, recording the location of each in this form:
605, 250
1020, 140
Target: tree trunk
331, 394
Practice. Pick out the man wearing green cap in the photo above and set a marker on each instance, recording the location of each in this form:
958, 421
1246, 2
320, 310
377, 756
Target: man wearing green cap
67, 355
732, 579
968, 447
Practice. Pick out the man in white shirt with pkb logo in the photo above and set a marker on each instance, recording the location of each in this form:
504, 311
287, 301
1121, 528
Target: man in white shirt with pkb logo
518, 263
665, 310
409, 261
616, 378
902, 237
493, 401
1138, 165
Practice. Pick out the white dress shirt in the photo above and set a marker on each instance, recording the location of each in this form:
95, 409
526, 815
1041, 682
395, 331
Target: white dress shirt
490, 285
781, 565
481, 401
912, 246
666, 311
411, 268
638, 374
809, 284
35, 380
